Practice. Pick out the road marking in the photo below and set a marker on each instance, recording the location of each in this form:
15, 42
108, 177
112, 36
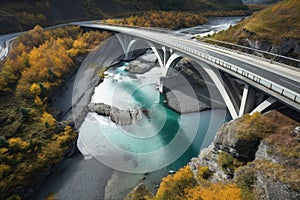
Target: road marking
245, 65
290, 83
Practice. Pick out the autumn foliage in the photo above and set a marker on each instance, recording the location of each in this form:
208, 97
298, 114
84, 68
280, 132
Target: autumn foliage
162, 19
215, 191
31, 139
44, 57
183, 186
175, 187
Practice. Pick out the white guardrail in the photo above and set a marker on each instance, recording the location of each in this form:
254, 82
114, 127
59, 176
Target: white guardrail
247, 74
285, 92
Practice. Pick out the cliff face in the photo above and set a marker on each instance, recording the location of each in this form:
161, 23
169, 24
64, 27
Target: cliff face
260, 153
289, 47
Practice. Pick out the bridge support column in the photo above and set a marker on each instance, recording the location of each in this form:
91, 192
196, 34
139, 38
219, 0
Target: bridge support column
170, 81
217, 80
248, 100
127, 43
161, 85
264, 105
167, 58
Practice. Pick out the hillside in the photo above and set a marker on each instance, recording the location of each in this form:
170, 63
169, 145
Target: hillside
23, 15
274, 29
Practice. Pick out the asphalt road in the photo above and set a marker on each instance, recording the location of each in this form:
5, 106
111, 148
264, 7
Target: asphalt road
285, 77
5, 44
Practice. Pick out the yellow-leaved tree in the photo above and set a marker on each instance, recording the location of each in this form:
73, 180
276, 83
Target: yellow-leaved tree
48, 120
216, 191
35, 89
17, 144
175, 187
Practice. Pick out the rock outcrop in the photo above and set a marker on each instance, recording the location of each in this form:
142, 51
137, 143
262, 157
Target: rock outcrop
266, 167
137, 67
121, 117
288, 47
226, 141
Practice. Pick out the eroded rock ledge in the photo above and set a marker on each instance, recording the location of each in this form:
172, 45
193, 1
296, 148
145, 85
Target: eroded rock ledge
121, 117
264, 157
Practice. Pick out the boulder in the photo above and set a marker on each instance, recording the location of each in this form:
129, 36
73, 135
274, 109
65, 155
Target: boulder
227, 141
100, 108
137, 67
122, 117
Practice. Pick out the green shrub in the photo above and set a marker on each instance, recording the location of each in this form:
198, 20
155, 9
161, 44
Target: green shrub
245, 180
228, 163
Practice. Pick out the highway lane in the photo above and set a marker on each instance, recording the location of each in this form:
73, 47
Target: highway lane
5, 40
276, 77
5, 44
270, 75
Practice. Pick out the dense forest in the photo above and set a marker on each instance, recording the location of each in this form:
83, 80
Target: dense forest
162, 19
32, 141
23, 15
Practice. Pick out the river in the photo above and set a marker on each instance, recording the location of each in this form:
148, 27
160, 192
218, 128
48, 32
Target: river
115, 158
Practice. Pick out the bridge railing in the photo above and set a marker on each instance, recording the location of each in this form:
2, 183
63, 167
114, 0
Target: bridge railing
271, 57
285, 92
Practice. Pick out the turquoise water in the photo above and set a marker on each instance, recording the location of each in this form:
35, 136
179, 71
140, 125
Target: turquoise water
162, 138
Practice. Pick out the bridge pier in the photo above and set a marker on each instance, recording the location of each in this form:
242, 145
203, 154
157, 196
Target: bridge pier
238, 101
171, 82
248, 100
264, 105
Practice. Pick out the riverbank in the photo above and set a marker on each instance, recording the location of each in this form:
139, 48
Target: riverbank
76, 94
125, 91
93, 173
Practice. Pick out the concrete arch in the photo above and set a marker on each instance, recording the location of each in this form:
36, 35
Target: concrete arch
129, 46
168, 58
173, 60
221, 88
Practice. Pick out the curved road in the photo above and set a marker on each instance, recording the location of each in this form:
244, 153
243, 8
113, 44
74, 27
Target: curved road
5, 44
285, 77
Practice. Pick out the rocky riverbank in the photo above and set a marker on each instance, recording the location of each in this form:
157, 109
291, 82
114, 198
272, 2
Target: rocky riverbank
253, 157
143, 63
260, 153
189, 89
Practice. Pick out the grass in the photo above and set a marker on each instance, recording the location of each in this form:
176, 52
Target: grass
274, 23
